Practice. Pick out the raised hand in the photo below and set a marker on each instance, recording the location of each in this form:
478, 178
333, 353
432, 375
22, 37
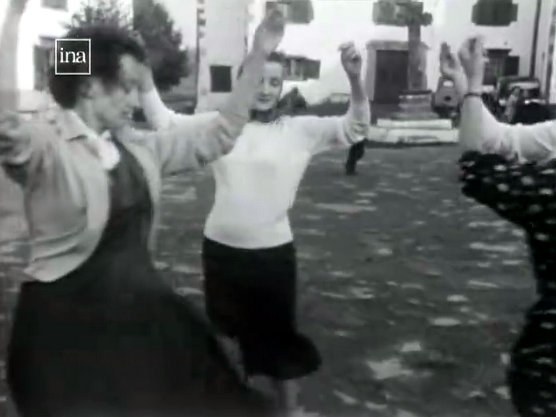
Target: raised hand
13, 134
473, 60
351, 60
270, 32
450, 67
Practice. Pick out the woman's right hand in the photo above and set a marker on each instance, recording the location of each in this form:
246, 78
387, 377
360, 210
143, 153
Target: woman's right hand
473, 60
14, 134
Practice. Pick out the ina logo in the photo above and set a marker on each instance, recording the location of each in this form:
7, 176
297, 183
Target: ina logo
72, 57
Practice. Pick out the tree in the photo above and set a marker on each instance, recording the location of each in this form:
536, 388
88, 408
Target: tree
410, 14
109, 12
164, 43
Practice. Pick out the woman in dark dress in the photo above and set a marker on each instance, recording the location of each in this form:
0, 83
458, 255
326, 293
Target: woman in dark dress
525, 194
112, 336
512, 170
97, 332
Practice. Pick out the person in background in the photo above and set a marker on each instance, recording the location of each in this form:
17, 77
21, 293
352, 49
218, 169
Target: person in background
96, 331
249, 255
356, 152
512, 170
515, 99
293, 103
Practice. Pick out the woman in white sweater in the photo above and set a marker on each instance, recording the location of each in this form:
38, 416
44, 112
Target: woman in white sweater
248, 253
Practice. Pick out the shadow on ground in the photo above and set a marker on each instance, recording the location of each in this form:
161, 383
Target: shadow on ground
413, 293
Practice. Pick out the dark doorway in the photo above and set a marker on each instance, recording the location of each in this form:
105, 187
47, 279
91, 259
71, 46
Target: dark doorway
391, 76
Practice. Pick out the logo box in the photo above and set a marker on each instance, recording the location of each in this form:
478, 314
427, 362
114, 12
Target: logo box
72, 56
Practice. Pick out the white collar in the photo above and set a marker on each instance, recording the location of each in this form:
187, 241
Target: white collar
73, 127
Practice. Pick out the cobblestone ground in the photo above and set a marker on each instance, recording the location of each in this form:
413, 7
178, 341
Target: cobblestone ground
413, 293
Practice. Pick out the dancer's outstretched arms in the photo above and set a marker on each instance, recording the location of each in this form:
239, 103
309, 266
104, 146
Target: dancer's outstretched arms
325, 133
516, 191
479, 129
184, 142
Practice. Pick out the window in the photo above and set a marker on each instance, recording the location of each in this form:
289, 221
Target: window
282, 6
511, 66
55, 4
297, 12
220, 78
496, 65
43, 60
312, 69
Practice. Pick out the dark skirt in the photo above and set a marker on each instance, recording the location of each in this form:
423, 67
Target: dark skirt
112, 339
532, 372
251, 297
136, 355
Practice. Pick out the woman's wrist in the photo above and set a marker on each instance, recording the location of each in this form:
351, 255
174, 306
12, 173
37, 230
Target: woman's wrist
475, 86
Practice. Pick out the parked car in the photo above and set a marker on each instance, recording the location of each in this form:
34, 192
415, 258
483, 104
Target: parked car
530, 88
445, 100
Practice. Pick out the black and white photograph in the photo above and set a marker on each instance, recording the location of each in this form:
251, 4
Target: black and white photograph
277, 208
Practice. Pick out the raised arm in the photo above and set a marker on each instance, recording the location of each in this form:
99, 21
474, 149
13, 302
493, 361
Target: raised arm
9, 37
158, 115
326, 133
479, 129
25, 148
184, 142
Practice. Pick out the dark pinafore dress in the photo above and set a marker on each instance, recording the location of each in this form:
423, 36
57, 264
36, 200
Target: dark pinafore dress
112, 339
525, 194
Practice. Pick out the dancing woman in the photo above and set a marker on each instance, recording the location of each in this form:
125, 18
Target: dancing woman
96, 331
248, 253
512, 169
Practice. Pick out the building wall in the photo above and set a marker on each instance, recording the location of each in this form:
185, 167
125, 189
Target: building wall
518, 37
452, 23
222, 41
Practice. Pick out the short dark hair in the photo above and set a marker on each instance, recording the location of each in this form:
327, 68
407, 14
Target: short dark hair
278, 57
108, 44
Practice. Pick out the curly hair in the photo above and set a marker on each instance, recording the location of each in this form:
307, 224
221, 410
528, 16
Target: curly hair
108, 44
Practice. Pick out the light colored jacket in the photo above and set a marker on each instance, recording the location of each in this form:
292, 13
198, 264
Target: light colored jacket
66, 187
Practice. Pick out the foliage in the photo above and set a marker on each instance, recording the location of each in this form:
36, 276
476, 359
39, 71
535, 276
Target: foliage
163, 42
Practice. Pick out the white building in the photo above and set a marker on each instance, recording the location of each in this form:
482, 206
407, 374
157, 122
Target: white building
222, 46
342, 20
42, 22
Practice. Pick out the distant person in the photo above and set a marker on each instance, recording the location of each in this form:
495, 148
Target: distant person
512, 170
293, 103
356, 153
515, 99
249, 254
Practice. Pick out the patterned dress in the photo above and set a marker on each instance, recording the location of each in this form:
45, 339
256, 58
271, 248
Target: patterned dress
525, 194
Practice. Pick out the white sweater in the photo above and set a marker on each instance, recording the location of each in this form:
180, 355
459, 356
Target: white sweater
256, 183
